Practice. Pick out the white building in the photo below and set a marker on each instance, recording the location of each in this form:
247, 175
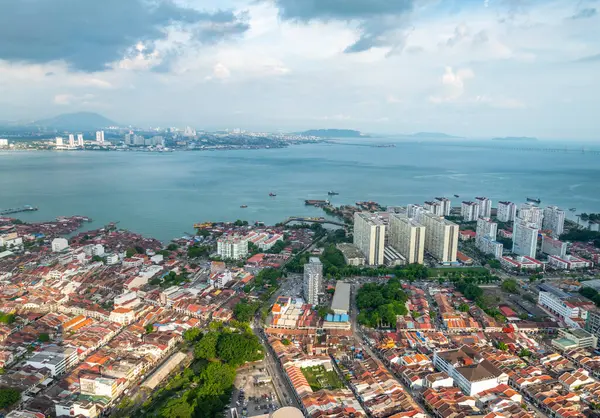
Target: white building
99, 386
80, 140
112, 259
220, 280
232, 248
485, 206
525, 237
554, 220
553, 247
446, 205
437, 208
557, 302
59, 244
568, 262
59, 141
507, 211
407, 236
71, 141
123, 316
3, 143
469, 211
98, 249
414, 211
369, 237
489, 246
530, 213
485, 239
57, 359
469, 370
12, 240
313, 281
441, 238
100, 137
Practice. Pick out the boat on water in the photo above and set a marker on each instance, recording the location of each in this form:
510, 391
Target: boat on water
272, 194
573, 209
332, 193
532, 200
456, 195
244, 206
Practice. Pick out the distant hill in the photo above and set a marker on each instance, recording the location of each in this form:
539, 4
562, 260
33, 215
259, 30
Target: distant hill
334, 133
433, 135
80, 121
515, 138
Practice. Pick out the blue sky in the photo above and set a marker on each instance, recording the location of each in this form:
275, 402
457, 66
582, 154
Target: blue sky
467, 67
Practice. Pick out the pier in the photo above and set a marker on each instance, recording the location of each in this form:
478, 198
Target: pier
25, 208
313, 220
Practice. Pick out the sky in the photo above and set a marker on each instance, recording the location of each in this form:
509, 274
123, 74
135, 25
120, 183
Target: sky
475, 68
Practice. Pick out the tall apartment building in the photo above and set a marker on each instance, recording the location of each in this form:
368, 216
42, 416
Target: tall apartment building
407, 236
71, 140
485, 206
100, 136
592, 324
469, 211
553, 247
369, 237
530, 213
485, 239
446, 205
434, 207
507, 211
3, 142
232, 248
525, 238
80, 140
59, 141
414, 211
313, 281
554, 220
441, 237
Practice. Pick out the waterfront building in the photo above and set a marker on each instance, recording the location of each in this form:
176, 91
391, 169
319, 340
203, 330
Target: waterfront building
59, 244
414, 211
469, 211
507, 211
100, 137
530, 213
71, 140
554, 220
436, 208
80, 140
446, 205
313, 280
59, 141
407, 236
485, 206
232, 248
552, 246
369, 237
3, 143
441, 237
525, 237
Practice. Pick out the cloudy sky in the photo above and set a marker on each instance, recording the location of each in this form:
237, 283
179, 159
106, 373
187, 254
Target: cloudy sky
466, 67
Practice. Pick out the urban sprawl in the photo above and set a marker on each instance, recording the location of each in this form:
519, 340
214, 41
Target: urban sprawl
428, 310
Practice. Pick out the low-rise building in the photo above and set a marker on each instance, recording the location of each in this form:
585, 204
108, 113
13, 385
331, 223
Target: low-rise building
568, 262
57, 359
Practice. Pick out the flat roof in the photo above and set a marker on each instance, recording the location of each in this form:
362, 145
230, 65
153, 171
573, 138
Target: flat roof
341, 297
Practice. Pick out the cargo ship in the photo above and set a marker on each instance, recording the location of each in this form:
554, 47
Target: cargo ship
538, 201
244, 206
316, 202
332, 193
272, 194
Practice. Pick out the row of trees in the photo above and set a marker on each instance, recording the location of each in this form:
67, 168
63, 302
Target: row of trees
379, 304
591, 293
582, 235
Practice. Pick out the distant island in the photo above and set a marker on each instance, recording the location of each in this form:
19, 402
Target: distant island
80, 121
334, 133
432, 135
515, 138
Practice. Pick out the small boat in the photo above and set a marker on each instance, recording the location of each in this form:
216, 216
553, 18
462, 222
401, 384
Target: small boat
538, 201
573, 209
332, 193
244, 206
456, 195
272, 194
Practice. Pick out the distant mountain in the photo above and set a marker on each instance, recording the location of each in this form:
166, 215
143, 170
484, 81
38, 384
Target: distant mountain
515, 138
334, 133
80, 121
433, 135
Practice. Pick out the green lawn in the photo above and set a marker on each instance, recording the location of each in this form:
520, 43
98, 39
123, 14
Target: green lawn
318, 378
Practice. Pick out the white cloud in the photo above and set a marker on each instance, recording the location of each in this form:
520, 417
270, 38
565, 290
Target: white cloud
70, 99
453, 84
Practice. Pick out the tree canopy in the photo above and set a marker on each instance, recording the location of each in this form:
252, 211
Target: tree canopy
9, 397
379, 304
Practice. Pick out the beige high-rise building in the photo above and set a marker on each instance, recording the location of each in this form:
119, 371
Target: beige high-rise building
407, 236
441, 237
369, 237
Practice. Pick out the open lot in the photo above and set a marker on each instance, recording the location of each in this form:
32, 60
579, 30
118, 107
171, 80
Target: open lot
255, 398
318, 378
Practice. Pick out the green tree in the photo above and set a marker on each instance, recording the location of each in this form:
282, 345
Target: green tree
524, 353
43, 337
7, 318
216, 379
495, 264
192, 334
463, 307
244, 311
140, 250
178, 408
9, 397
206, 348
510, 286
285, 341
130, 253
172, 247
237, 349
502, 346
149, 328
97, 259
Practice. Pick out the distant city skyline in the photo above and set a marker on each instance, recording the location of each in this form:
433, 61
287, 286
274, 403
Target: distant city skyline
468, 68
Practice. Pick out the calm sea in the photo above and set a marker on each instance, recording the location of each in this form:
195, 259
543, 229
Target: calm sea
163, 195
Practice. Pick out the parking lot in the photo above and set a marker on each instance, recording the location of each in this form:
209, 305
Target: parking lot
254, 393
